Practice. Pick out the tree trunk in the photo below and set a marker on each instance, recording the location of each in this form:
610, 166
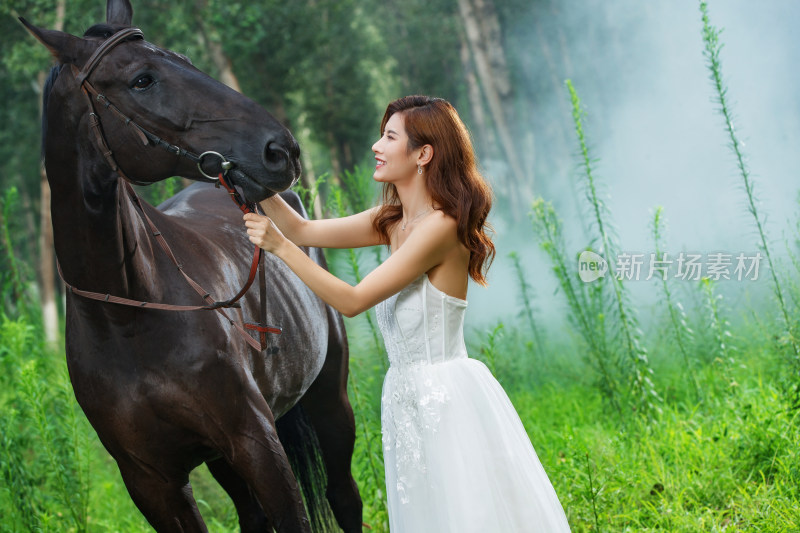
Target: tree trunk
336, 167
481, 132
221, 61
495, 85
308, 178
46, 249
223, 64
492, 45
47, 272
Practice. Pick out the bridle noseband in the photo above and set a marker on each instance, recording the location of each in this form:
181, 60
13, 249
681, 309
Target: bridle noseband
149, 138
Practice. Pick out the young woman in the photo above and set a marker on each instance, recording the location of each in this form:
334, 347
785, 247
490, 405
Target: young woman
457, 457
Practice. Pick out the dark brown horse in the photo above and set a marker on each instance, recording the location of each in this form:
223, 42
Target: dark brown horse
167, 391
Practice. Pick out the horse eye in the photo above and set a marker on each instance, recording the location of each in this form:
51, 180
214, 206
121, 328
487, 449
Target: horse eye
143, 82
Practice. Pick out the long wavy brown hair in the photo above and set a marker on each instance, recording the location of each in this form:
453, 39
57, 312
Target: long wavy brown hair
452, 177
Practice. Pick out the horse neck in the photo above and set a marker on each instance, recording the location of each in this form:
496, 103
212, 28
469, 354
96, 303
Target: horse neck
95, 226
101, 241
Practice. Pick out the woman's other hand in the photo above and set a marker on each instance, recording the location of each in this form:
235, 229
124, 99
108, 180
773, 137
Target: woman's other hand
263, 232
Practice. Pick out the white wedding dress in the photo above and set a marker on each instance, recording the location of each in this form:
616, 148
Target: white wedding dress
458, 459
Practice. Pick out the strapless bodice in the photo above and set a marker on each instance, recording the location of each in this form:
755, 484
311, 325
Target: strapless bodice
422, 325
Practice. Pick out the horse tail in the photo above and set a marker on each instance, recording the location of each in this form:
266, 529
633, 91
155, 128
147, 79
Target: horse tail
301, 445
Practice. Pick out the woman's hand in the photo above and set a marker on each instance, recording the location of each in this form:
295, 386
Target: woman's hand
264, 233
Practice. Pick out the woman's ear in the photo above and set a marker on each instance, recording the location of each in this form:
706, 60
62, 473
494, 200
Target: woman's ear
425, 155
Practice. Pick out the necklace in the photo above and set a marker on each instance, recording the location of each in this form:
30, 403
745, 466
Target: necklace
407, 222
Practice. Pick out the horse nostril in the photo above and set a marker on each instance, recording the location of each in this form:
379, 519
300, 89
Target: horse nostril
276, 157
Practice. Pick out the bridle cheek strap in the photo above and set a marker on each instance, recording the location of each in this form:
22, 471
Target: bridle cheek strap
93, 95
147, 138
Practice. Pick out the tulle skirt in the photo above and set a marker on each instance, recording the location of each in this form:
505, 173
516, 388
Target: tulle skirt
457, 457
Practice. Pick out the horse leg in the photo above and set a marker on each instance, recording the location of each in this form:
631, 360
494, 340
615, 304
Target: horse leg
251, 517
328, 409
166, 501
255, 453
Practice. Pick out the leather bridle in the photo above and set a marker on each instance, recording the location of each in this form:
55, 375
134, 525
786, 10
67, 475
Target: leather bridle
150, 139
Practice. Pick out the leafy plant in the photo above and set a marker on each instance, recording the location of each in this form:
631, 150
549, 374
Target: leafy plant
526, 296
585, 314
637, 371
712, 50
13, 281
309, 196
489, 350
677, 316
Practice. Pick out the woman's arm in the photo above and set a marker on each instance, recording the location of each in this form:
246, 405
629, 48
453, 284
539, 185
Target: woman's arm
354, 231
426, 247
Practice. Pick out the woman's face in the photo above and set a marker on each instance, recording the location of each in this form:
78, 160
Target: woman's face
393, 160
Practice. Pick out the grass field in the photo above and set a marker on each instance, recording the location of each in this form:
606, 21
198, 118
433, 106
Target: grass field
729, 462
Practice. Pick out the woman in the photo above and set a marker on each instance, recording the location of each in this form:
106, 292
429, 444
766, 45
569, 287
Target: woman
457, 457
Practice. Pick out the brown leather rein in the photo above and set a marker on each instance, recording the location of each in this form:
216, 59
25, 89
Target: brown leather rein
148, 138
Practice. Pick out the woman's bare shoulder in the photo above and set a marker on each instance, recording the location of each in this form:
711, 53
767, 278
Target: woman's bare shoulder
441, 222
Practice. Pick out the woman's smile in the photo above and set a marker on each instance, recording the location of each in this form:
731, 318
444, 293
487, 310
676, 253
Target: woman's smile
393, 160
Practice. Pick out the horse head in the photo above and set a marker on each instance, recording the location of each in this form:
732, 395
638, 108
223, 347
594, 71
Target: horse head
141, 99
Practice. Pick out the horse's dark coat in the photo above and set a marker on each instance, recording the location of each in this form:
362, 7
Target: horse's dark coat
167, 391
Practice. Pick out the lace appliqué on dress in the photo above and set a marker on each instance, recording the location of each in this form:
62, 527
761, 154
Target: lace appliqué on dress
408, 413
411, 399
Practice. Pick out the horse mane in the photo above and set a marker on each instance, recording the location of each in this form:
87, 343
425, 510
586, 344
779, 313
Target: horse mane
48, 86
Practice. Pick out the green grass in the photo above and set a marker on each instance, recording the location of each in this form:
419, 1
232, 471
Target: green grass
729, 462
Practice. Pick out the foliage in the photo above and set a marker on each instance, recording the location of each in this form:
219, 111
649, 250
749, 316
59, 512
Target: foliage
679, 327
309, 196
637, 372
526, 295
489, 350
44, 439
160, 191
584, 300
13, 277
713, 47
371, 363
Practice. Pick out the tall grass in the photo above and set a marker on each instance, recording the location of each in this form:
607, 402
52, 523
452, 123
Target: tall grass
526, 295
586, 313
13, 276
793, 253
354, 193
677, 316
489, 349
23, 511
718, 324
729, 463
712, 49
62, 438
593, 493
309, 195
637, 372
44, 438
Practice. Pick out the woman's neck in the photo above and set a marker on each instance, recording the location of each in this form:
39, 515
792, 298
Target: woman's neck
414, 198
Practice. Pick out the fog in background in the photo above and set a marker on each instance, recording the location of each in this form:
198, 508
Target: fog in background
640, 71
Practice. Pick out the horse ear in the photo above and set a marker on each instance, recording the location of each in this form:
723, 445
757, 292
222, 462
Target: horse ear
65, 48
119, 12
